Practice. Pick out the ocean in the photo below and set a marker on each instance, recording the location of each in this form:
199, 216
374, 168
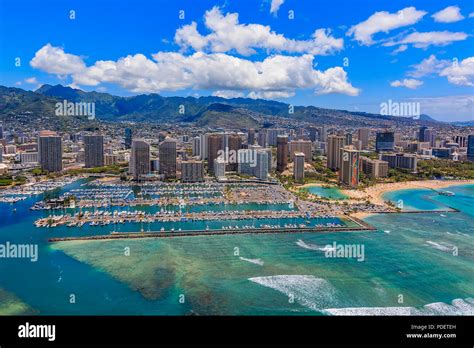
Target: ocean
413, 264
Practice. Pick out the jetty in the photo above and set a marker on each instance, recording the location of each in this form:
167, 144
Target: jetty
186, 233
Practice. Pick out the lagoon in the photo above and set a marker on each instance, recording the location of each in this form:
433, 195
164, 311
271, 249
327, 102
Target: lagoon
327, 192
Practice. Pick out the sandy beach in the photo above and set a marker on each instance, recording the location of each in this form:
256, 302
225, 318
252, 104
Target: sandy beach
375, 193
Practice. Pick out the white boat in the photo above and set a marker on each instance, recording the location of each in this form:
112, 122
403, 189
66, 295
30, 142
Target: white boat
446, 193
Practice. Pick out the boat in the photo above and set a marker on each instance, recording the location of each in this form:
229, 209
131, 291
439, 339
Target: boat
446, 193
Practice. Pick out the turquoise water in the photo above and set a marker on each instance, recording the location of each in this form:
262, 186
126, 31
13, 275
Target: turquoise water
328, 192
416, 199
410, 256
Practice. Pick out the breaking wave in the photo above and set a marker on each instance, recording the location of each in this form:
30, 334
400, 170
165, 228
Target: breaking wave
307, 290
254, 261
457, 307
310, 246
441, 246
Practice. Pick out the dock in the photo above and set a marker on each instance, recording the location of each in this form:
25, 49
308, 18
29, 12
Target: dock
437, 211
188, 233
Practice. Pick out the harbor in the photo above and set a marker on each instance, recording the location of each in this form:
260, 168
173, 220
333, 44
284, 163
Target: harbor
20, 193
252, 230
108, 209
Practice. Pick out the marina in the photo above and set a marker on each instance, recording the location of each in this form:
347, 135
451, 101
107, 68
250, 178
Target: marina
20, 193
250, 230
185, 210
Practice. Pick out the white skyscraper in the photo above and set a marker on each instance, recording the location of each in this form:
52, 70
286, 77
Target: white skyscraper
261, 171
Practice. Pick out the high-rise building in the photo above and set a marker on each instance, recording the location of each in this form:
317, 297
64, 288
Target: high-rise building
430, 137
1, 131
298, 166
139, 159
234, 142
460, 140
247, 160
262, 138
270, 157
397, 137
219, 167
128, 138
385, 141
470, 148
93, 151
50, 151
348, 140
110, 159
301, 133
251, 136
374, 168
204, 146
192, 171
196, 146
350, 166
272, 136
167, 155
313, 133
282, 153
28, 157
363, 135
304, 146
400, 160
421, 134
261, 170
441, 152
215, 144
335, 144
323, 134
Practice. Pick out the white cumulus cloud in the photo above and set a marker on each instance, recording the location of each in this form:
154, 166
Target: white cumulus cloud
55, 61
401, 48
227, 34
408, 83
270, 95
448, 15
32, 81
275, 6
428, 66
228, 94
384, 21
275, 75
461, 74
426, 39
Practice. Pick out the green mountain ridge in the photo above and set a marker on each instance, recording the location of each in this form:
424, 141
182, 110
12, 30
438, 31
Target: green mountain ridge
204, 111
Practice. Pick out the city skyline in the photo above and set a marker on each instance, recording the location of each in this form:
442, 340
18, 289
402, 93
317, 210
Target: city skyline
320, 57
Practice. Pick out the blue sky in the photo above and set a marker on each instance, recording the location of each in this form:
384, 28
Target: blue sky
350, 55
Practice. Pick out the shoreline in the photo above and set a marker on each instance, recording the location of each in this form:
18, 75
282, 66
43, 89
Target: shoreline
375, 193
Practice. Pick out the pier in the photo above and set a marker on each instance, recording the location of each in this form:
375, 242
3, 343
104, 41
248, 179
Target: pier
102, 218
159, 234
448, 210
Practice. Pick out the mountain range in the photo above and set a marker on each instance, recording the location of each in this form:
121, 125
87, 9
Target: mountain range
237, 113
